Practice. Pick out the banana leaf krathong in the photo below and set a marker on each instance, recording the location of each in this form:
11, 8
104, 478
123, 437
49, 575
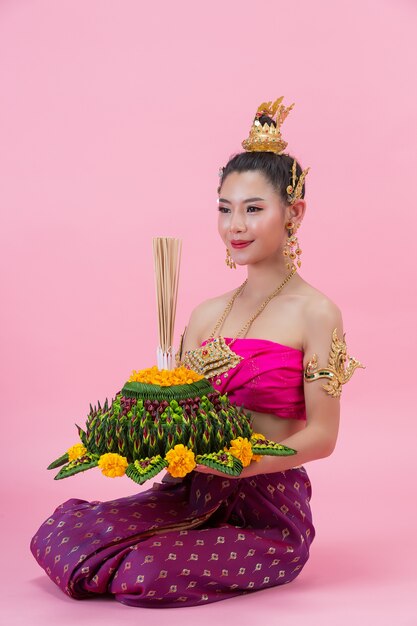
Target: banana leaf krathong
148, 427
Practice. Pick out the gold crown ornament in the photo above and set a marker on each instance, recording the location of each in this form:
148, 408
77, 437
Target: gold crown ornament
267, 138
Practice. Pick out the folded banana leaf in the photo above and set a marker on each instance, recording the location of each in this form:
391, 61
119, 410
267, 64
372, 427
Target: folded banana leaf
148, 427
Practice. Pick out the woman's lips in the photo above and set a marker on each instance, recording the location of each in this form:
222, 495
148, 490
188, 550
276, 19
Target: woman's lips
240, 245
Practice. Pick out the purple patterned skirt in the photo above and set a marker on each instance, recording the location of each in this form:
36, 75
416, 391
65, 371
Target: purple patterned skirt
183, 542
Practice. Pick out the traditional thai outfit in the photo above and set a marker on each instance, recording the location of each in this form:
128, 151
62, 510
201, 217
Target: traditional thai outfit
199, 539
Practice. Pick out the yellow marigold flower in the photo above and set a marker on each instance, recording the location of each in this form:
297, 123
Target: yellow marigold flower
181, 460
76, 451
165, 378
242, 450
112, 464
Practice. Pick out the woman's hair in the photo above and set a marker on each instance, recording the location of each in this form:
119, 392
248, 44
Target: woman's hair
275, 167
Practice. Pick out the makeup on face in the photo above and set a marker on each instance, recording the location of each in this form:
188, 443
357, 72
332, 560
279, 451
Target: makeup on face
240, 244
248, 211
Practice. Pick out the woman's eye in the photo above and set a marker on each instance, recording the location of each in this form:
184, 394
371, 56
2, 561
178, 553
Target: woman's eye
224, 209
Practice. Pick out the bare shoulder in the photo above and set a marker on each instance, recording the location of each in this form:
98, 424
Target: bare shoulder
202, 318
319, 307
321, 316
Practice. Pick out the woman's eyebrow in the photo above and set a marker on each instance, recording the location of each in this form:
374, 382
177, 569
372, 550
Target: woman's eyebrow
247, 200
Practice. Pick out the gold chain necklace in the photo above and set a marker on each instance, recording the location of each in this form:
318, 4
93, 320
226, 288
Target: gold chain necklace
216, 357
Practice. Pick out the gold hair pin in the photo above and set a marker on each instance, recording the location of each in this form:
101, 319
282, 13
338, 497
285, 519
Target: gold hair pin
295, 190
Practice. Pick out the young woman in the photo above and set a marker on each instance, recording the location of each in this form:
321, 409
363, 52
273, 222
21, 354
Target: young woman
209, 537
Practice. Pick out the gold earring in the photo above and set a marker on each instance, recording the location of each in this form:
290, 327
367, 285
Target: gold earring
291, 247
229, 261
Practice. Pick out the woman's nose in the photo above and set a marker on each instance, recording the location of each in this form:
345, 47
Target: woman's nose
237, 223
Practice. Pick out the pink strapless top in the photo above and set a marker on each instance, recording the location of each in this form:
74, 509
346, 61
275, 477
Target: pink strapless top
269, 379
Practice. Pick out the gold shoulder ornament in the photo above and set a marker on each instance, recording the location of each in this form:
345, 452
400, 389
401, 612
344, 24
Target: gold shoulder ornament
335, 370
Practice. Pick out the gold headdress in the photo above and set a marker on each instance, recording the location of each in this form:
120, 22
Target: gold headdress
267, 138
295, 189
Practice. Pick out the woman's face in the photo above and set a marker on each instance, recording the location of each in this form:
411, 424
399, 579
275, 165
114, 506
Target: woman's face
251, 210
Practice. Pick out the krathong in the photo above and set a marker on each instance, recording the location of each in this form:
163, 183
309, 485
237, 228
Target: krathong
152, 425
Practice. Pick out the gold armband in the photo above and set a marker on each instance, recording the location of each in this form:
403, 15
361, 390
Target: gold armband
335, 369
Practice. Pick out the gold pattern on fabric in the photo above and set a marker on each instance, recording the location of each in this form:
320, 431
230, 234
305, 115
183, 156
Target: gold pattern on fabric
335, 371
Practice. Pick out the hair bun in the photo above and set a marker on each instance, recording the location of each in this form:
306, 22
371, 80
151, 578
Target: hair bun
262, 119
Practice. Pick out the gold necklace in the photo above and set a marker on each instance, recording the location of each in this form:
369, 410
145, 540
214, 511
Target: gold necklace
216, 357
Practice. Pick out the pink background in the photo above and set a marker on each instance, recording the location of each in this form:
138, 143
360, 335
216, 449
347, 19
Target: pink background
114, 120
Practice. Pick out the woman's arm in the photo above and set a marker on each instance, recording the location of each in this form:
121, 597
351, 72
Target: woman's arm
318, 439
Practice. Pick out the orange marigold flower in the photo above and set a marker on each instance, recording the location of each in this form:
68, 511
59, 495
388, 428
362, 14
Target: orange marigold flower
76, 451
165, 378
181, 460
113, 464
242, 450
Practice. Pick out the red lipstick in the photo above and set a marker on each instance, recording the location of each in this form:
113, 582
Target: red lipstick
240, 244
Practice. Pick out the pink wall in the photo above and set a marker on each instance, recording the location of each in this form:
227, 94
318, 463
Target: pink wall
114, 120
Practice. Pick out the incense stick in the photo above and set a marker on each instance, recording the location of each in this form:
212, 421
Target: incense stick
167, 260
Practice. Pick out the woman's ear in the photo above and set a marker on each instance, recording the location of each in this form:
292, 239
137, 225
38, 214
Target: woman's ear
296, 211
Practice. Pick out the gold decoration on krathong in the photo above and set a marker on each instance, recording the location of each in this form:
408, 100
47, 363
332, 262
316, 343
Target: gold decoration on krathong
267, 138
165, 378
212, 359
295, 189
335, 370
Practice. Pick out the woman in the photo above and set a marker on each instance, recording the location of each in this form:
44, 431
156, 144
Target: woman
206, 537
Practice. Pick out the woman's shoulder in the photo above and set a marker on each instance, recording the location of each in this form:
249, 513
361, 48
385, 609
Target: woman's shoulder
202, 315
211, 308
317, 303
321, 314
213, 304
